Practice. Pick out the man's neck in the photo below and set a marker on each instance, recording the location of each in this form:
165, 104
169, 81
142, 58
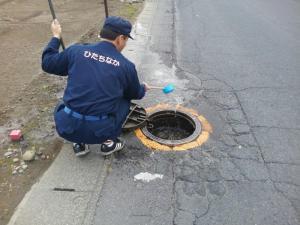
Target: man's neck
110, 41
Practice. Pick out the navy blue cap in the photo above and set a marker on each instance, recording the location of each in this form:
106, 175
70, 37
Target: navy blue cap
118, 25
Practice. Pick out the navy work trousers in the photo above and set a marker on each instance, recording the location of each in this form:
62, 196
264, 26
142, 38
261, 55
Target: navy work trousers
90, 132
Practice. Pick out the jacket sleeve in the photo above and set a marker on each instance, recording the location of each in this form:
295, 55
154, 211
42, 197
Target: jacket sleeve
53, 61
133, 90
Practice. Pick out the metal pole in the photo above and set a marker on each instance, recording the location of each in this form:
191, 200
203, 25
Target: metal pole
106, 8
54, 17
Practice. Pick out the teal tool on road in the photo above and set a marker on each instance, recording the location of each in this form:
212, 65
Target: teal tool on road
167, 89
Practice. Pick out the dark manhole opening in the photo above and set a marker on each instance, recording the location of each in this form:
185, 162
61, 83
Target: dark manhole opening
172, 127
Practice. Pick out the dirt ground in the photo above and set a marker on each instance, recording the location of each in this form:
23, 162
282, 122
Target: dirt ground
27, 95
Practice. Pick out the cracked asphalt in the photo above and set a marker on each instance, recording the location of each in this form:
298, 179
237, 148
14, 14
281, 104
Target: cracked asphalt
237, 64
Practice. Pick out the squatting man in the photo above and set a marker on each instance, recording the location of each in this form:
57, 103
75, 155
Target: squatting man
101, 83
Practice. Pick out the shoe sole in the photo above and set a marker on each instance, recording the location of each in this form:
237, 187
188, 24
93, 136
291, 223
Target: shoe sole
80, 154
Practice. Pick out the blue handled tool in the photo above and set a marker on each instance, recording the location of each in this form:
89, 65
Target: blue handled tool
167, 89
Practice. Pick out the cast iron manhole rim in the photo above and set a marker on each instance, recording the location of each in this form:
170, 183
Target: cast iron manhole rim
183, 115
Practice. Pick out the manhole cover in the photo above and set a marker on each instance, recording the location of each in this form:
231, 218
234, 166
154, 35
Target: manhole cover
136, 118
170, 127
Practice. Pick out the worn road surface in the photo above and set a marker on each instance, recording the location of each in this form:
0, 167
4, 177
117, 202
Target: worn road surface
237, 63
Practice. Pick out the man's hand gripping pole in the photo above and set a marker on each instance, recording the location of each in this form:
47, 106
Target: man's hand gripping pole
54, 18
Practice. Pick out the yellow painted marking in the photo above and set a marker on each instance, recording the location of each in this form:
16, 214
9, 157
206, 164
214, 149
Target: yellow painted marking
206, 130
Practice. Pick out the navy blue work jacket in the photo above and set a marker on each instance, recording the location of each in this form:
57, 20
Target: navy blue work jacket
99, 76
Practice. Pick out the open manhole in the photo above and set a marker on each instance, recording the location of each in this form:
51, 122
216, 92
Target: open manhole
170, 127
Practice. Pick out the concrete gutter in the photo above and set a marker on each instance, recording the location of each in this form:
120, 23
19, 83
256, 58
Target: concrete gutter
80, 181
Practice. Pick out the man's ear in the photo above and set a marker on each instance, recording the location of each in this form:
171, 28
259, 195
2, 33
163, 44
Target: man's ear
118, 39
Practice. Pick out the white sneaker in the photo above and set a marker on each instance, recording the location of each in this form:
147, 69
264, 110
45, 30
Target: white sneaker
109, 146
81, 150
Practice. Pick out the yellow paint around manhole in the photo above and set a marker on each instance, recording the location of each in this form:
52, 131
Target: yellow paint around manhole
206, 130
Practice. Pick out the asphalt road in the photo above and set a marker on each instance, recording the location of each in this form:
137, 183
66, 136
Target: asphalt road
237, 63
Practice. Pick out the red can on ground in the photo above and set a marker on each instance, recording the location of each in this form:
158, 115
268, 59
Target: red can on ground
15, 135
